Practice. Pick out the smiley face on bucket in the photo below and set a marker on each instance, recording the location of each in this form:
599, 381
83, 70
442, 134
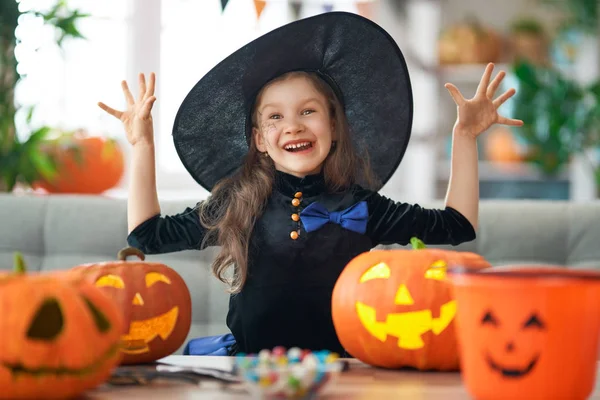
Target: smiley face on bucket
512, 357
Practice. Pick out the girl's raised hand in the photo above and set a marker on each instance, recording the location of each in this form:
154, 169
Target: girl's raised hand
479, 113
137, 119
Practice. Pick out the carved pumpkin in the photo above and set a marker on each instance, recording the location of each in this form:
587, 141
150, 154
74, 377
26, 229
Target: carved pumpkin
529, 333
60, 335
394, 308
85, 164
154, 300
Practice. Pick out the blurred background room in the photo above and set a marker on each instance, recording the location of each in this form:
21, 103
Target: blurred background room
58, 58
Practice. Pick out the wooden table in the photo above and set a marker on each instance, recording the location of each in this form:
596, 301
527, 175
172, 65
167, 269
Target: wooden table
360, 382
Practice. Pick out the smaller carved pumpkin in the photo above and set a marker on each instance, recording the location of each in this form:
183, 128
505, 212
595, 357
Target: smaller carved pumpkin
60, 335
154, 300
528, 332
394, 308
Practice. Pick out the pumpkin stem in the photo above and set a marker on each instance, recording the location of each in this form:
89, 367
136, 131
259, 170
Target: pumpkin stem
417, 243
19, 265
130, 251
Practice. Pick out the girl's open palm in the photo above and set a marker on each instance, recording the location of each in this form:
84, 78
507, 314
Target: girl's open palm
479, 113
137, 119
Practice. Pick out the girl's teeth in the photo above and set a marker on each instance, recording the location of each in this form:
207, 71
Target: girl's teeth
295, 146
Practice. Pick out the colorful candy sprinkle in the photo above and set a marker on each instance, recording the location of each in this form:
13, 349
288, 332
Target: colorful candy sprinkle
290, 373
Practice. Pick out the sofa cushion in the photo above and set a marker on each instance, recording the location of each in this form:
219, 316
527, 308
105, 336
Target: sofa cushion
61, 231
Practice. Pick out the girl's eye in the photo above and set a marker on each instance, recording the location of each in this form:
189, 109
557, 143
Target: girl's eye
275, 116
307, 112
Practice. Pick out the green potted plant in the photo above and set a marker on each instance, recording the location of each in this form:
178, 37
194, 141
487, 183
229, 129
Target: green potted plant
589, 144
581, 15
528, 40
561, 116
24, 160
550, 106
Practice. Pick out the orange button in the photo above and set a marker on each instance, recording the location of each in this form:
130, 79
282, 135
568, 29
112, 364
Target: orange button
295, 217
298, 195
295, 202
294, 235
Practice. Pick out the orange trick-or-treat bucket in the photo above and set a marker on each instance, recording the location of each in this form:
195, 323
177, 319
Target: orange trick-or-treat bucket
528, 332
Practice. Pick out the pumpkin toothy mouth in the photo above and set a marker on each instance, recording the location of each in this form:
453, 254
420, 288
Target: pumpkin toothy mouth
511, 372
20, 369
407, 327
143, 332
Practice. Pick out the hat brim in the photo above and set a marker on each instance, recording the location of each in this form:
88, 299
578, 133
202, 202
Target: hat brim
359, 59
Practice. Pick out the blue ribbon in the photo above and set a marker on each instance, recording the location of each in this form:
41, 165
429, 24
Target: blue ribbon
353, 218
209, 345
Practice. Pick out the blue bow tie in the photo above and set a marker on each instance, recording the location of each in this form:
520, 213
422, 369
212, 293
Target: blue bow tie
353, 218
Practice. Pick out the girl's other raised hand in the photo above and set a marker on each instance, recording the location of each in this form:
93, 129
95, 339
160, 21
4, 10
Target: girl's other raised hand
477, 114
137, 118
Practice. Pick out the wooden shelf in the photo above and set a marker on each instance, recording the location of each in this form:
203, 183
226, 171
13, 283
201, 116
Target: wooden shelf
489, 171
468, 73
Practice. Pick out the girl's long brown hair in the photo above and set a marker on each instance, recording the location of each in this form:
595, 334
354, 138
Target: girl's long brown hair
236, 202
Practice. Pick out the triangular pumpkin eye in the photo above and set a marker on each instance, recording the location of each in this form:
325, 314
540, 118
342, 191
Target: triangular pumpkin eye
534, 322
48, 321
489, 318
99, 318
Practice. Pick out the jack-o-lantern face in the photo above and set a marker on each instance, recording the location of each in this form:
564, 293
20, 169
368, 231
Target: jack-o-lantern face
408, 326
512, 359
60, 336
146, 323
395, 308
155, 302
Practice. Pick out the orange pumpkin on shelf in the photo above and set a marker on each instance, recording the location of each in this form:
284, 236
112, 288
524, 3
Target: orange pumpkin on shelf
501, 147
394, 308
154, 299
85, 165
60, 335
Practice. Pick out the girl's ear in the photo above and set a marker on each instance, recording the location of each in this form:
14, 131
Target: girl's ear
260, 142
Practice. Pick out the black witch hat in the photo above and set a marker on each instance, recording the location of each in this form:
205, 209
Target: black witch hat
357, 57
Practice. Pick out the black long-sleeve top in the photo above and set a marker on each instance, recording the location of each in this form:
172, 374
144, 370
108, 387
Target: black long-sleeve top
286, 300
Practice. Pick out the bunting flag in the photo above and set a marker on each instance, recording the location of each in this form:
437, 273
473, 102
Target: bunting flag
224, 4
328, 7
296, 9
260, 6
365, 9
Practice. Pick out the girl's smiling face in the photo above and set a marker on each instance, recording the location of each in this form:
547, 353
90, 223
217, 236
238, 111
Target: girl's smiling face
295, 126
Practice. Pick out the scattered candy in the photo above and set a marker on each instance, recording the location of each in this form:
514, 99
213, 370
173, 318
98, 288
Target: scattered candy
295, 373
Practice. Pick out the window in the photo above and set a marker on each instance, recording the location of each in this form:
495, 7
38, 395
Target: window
196, 36
65, 85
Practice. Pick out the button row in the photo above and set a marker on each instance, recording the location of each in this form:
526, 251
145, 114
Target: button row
295, 217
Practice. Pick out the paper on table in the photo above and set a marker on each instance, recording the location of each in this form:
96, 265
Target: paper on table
217, 367
211, 362
211, 372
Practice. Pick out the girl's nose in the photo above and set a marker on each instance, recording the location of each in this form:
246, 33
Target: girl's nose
293, 126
